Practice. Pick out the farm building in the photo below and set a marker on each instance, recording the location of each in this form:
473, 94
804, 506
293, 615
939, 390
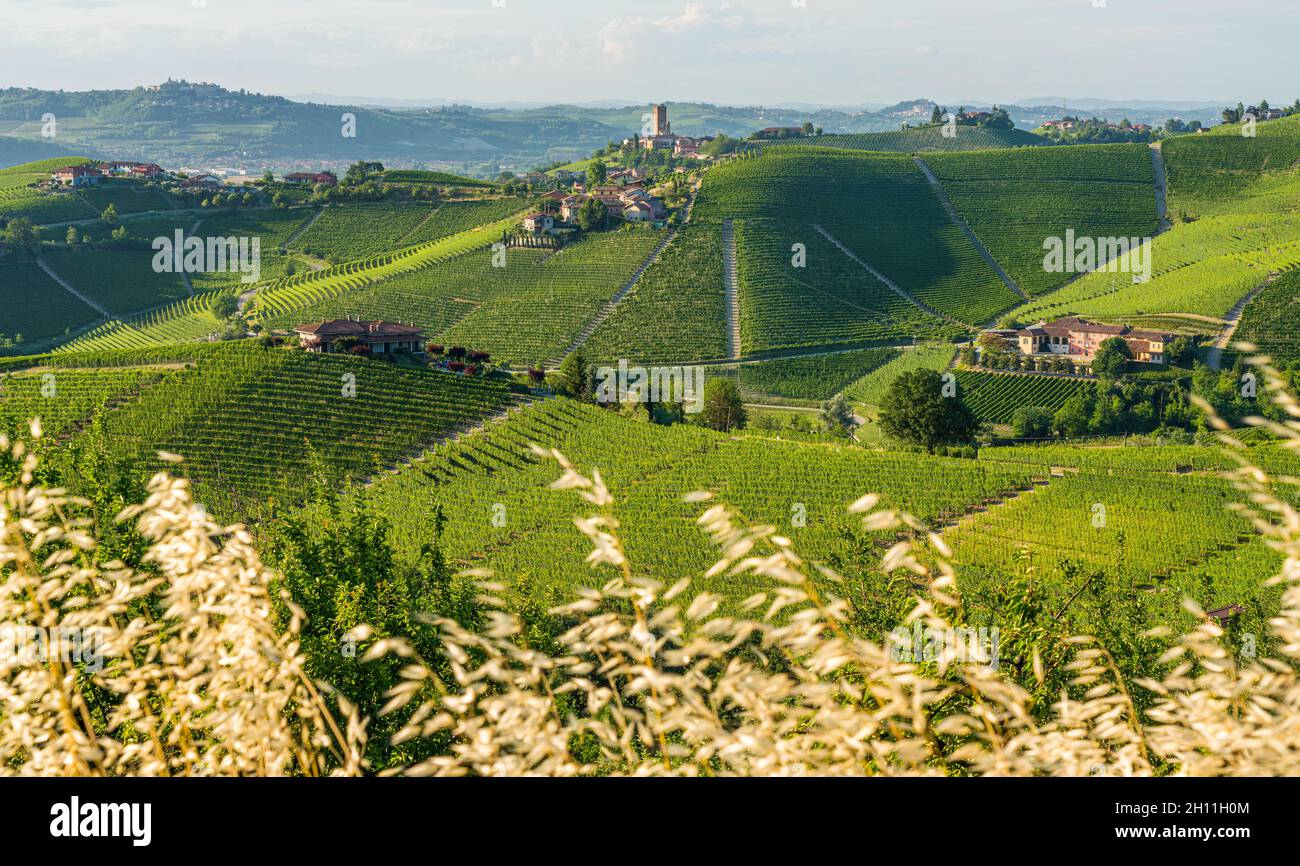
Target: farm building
381, 337
327, 178
76, 175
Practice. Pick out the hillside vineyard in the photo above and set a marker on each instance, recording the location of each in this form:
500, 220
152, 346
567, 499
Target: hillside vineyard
1026, 345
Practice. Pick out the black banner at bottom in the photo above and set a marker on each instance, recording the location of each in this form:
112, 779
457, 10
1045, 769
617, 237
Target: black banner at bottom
152, 817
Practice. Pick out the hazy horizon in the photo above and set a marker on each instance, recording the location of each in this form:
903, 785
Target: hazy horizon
833, 53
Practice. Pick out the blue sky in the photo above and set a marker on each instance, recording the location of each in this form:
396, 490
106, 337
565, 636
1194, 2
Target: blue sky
835, 52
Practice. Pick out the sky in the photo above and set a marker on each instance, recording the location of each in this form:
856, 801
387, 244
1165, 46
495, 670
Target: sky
734, 52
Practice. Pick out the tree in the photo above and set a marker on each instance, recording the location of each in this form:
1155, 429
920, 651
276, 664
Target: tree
723, 408
1032, 422
808, 128
225, 306
837, 415
1181, 351
22, 234
920, 409
110, 214
597, 173
573, 378
592, 214
1112, 357
72, 236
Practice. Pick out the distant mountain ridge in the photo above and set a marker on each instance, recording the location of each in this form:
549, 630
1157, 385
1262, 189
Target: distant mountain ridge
187, 124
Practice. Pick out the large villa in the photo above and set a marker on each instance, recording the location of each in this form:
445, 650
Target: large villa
1079, 339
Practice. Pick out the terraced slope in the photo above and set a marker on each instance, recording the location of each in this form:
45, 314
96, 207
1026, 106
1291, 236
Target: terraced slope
63, 399
1014, 200
870, 389
254, 424
524, 312
676, 311
1222, 171
995, 397
1271, 321
357, 230
36, 307
648, 468
879, 206
831, 300
121, 280
1133, 514
281, 301
814, 377
184, 321
452, 217
1201, 268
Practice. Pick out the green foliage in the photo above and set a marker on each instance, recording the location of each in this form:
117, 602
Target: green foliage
917, 411
723, 408
1112, 358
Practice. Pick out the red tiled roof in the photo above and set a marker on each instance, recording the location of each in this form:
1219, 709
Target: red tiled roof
349, 328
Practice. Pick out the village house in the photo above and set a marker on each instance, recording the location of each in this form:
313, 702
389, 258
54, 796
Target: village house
326, 178
202, 181
539, 223
570, 207
638, 212
1079, 339
688, 146
76, 176
382, 338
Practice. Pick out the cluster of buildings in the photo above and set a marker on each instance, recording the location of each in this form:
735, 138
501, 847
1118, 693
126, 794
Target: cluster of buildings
1265, 113
77, 176
631, 203
661, 136
90, 175
1066, 124
1079, 339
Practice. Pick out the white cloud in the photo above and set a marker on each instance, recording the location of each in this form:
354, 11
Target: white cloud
834, 51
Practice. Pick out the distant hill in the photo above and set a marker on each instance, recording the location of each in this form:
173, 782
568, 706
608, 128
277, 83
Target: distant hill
17, 151
924, 139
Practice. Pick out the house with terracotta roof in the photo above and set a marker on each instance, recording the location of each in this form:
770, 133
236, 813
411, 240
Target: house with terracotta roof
327, 178
1079, 339
76, 176
382, 338
540, 223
